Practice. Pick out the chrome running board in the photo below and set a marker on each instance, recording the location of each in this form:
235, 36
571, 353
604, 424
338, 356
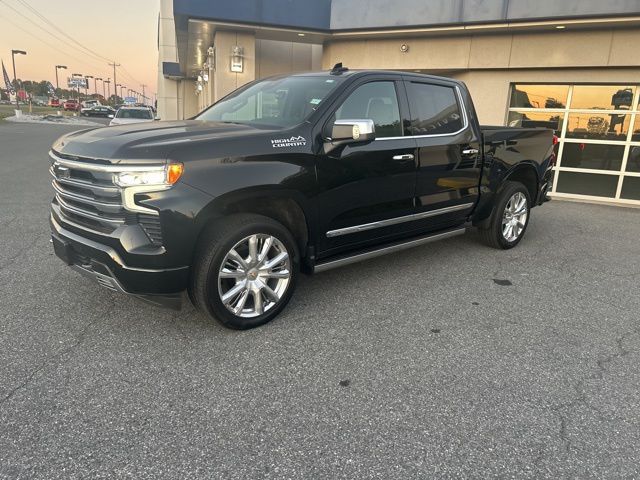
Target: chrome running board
385, 250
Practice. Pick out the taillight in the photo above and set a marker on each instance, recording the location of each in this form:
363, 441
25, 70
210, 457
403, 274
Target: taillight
555, 140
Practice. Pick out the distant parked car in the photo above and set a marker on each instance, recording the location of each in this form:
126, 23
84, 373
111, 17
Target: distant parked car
126, 115
72, 105
90, 103
97, 111
55, 103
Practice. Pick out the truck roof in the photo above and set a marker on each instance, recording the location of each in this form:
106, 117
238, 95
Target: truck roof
357, 73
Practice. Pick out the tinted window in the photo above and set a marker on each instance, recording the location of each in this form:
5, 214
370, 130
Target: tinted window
434, 109
279, 102
138, 114
376, 101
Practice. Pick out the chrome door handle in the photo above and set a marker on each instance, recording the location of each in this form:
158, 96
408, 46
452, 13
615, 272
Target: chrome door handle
406, 156
470, 151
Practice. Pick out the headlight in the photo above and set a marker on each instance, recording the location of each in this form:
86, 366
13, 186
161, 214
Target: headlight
167, 175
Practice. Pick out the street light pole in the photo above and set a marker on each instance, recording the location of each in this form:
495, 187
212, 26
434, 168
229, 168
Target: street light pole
15, 79
95, 85
59, 67
144, 98
108, 82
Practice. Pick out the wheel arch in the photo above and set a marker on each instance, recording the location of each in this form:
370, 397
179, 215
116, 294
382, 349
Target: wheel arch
284, 206
526, 174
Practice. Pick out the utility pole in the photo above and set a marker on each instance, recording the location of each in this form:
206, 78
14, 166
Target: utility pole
108, 82
114, 65
95, 85
144, 98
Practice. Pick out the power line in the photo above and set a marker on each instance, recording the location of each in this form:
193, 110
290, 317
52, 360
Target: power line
80, 48
48, 22
48, 44
44, 29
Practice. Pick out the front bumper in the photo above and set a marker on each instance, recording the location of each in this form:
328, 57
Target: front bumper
106, 266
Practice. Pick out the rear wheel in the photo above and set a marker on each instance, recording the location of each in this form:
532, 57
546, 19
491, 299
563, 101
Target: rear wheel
509, 218
245, 271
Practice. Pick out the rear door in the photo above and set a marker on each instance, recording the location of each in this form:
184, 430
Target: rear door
366, 187
447, 152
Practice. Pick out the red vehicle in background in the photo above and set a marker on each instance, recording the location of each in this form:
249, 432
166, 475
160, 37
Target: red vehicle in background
55, 103
72, 105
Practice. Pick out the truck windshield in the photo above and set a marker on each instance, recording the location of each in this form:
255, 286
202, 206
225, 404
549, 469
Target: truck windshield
281, 102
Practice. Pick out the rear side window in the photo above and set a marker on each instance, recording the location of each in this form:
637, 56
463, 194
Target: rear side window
375, 101
434, 109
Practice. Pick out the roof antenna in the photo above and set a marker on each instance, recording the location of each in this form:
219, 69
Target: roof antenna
338, 69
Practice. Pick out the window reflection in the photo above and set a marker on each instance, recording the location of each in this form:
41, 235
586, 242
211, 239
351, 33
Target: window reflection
635, 136
535, 119
592, 155
539, 96
587, 184
633, 162
598, 126
602, 97
630, 188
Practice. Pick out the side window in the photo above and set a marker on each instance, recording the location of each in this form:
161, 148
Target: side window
434, 109
376, 101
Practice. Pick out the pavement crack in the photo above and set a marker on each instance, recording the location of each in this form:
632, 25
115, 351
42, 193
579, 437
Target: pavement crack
78, 341
564, 410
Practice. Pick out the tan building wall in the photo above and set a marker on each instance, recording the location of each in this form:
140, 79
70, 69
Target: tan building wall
489, 63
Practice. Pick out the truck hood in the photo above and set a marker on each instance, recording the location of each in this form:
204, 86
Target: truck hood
149, 140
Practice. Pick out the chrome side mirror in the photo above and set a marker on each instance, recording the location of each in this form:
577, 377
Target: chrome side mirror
349, 131
111, 115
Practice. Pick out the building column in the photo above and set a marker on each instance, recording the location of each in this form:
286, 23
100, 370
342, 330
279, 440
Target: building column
223, 80
168, 97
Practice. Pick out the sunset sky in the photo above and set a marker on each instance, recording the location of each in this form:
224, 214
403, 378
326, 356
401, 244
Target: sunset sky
124, 30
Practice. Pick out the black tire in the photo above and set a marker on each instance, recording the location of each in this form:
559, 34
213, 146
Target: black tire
492, 235
214, 245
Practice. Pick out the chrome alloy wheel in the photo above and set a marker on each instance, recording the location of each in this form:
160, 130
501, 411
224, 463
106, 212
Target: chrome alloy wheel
254, 275
514, 217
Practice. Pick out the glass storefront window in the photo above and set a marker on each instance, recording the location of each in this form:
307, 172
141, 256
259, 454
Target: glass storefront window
595, 156
602, 97
598, 126
635, 136
539, 96
587, 184
633, 162
630, 188
535, 119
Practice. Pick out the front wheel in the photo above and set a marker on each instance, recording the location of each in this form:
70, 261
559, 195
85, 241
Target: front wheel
509, 218
245, 271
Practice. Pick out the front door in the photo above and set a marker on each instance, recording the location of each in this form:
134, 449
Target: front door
365, 186
449, 160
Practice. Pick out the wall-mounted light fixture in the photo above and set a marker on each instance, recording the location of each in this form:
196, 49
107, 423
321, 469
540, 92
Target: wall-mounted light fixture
237, 64
211, 58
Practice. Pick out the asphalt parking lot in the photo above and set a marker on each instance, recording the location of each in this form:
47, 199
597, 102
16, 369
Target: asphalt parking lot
451, 360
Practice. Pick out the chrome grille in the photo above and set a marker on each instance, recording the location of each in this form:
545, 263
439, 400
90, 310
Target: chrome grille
86, 196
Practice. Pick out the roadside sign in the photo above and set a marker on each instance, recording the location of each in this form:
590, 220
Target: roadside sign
77, 82
129, 99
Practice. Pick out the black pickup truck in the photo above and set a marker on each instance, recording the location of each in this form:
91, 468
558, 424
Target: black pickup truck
297, 173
